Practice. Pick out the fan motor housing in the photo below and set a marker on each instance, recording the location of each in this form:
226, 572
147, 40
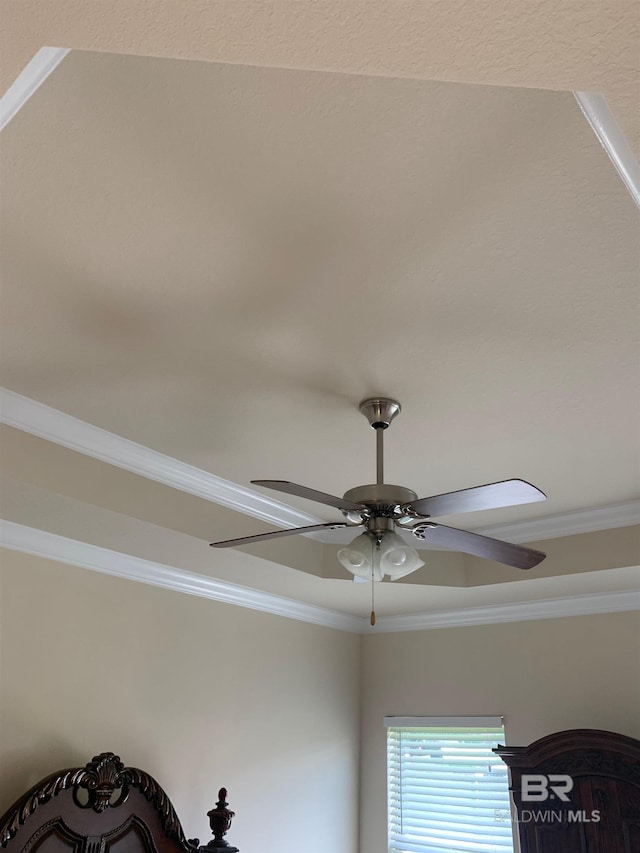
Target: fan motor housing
380, 494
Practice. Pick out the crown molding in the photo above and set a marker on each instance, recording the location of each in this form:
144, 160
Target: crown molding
552, 608
596, 110
51, 546
52, 425
30, 78
55, 426
42, 543
573, 523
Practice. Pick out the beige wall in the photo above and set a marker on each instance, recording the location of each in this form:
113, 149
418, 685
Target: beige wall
203, 694
543, 677
198, 693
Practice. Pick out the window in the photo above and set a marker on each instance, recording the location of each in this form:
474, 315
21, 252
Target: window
447, 791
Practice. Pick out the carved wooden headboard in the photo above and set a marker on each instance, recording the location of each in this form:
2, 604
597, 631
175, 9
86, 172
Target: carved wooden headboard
103, 807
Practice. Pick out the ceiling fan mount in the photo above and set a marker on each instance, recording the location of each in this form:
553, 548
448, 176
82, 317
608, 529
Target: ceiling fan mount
380, 499
380, 411
382, 509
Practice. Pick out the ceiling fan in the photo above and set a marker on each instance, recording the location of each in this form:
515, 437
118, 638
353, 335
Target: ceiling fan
381, 509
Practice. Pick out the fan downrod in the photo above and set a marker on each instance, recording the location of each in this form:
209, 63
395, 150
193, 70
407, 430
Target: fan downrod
379, 411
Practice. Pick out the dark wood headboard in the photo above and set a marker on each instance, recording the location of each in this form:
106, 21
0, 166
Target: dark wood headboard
103, 807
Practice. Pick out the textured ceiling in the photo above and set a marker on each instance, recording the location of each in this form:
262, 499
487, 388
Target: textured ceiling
582, 45
220, 261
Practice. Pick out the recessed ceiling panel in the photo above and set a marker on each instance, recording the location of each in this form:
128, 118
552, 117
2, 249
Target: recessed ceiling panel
219, 262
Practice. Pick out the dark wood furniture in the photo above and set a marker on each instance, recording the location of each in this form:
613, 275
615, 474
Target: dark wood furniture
104, 807
601, 812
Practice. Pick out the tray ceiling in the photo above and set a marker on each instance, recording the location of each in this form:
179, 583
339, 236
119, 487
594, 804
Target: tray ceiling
219, 262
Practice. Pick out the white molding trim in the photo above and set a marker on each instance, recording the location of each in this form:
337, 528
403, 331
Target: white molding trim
36, 418
522, 611
29, 80
51, 546
623, 514
55, 426
603, 123
41, 543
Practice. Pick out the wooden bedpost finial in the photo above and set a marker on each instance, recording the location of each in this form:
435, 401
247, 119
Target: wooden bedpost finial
220, 821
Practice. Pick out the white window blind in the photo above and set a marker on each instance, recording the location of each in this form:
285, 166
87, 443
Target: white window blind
447, 791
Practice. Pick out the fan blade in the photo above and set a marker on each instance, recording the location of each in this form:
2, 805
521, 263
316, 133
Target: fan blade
492, 496
309, 494
484, 546
275, 534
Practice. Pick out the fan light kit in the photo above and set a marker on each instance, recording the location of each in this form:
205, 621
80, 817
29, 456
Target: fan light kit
372, 558
386, 512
